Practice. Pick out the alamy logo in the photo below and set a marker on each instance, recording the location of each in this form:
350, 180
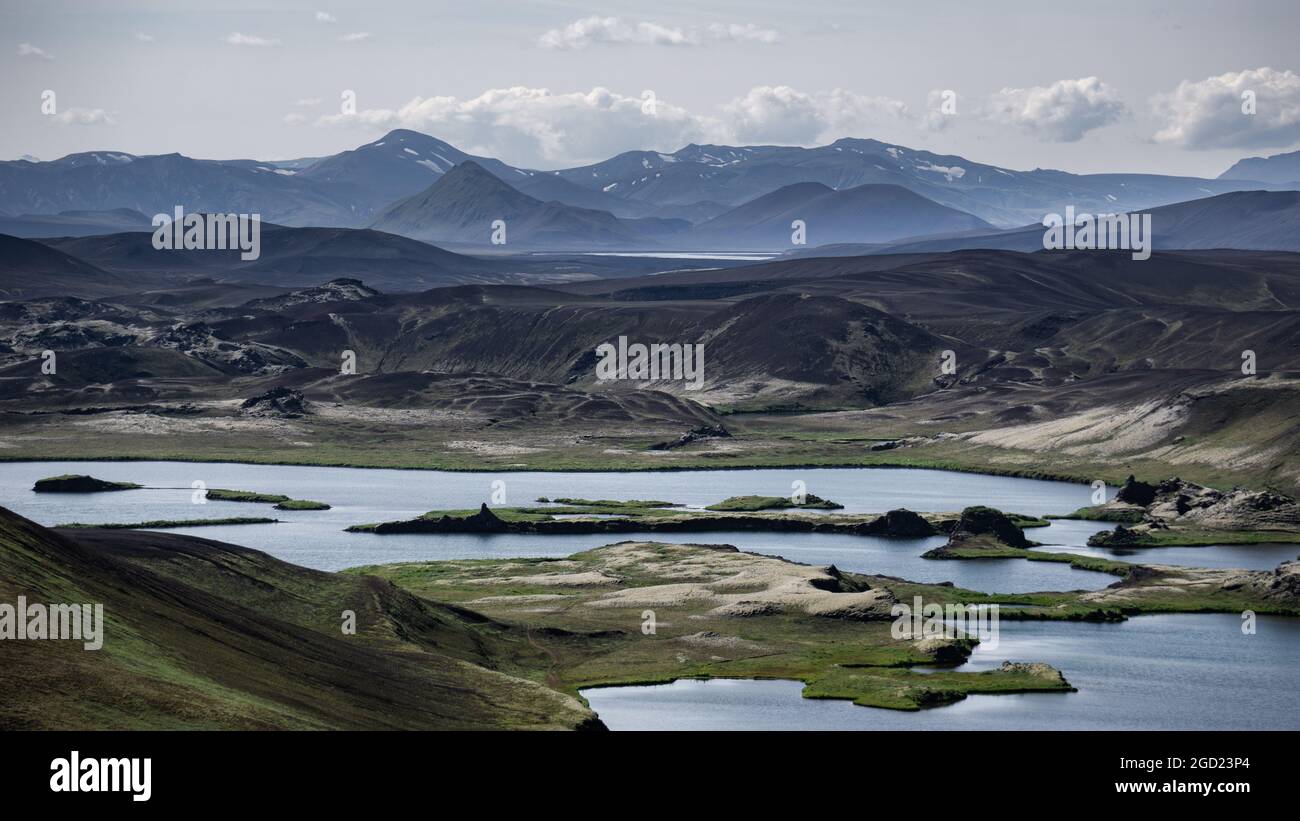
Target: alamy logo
209, 232
654, 362
130, 775
1114, 232
54, 622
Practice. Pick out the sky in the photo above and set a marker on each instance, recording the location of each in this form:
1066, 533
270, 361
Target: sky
1088, 87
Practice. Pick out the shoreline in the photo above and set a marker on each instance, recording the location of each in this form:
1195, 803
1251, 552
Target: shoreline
1003, 473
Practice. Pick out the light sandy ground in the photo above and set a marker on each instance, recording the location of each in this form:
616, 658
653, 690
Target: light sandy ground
735, 584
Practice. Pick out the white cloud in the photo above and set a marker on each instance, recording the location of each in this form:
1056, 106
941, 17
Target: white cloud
294, 118
1062, 112
781, 114
1209, 113
237, 39
143, 38
611, 30
529, 126
325, 17
29, 50
307, 102
356, 37
83, 116
936, 116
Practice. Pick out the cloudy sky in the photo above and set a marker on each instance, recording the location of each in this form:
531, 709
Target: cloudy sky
1087, 87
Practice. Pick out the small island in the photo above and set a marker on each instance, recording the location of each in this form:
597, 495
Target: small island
79, 483
280, 501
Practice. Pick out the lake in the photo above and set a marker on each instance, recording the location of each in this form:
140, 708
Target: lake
317, 538
1152, 672
1163, 672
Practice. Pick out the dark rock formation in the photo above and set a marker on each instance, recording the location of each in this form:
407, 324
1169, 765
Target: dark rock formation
1136, 493
980, 521
694, 435
280, 401
901, 523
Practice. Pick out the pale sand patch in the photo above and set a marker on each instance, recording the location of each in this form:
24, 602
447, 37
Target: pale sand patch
761, 584
589, 579
1103, 431
707, 638
149, 424
490, 448
521, 599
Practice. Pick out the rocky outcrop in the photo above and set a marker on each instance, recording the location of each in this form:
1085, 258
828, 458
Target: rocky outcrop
694, 435
282, 402
900, 523
485, 521
1175, 505
1136, 493
1119, 537
981, 531
987, 521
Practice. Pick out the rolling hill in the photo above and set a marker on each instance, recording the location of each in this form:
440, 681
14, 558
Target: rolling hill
869, 213
463, 205
205, 635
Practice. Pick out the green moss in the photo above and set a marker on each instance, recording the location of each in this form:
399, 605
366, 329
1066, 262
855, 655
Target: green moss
755, 503
280, 501
1100, 513
301, 504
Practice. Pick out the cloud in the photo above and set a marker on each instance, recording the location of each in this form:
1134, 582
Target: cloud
294, 118
356, 37
143, 38
83, 116
1211, 113
237, 39
1062, 112
29, 50
307, 102
325, 17
613, 30
781, 114
534, 125
940, 109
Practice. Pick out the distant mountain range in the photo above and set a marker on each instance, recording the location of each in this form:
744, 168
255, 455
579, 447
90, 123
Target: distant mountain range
1281, 169
867, 213
1244, 220
598, 205
464, 203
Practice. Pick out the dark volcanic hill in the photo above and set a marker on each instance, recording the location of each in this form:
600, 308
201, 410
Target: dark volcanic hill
294, 257
200, 634
462, 205
75, 223
867, 214
30, 269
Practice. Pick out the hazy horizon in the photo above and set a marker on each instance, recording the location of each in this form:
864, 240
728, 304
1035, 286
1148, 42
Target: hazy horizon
554, 84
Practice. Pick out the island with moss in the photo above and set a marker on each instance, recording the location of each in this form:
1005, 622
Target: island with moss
738, 513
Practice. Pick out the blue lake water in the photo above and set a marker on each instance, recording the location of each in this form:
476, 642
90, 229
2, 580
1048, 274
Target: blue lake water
1164, 672
1181, 671
317, 538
